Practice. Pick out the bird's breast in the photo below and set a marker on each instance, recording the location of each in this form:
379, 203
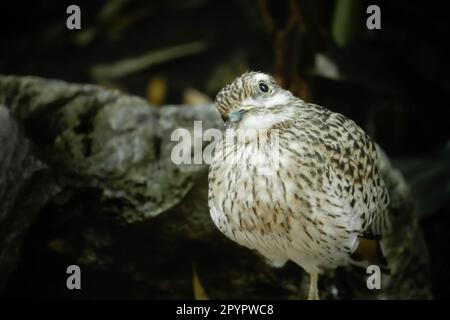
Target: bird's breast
253, 190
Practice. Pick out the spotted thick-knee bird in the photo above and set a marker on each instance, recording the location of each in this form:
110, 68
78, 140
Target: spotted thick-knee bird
324, 193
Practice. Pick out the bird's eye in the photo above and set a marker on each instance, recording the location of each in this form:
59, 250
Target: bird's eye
263, 87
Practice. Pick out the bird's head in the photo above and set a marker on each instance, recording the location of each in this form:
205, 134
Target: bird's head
254, 98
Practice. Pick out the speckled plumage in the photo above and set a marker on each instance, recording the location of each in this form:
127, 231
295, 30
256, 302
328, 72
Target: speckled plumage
325, 190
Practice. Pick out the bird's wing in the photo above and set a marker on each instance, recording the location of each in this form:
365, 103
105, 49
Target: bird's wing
352, 156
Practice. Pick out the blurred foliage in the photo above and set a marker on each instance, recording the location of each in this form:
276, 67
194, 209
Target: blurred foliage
347, 18
199, 292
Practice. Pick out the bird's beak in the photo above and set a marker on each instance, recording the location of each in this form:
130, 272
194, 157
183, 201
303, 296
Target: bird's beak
236, 115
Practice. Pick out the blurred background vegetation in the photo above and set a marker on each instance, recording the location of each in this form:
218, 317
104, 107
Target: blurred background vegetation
394, 82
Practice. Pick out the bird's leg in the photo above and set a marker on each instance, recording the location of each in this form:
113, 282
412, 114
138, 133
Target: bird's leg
313, 292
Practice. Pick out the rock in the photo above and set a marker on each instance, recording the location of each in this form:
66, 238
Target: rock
108, 140
25, 186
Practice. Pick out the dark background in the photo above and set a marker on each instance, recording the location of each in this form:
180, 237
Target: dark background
394, 82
